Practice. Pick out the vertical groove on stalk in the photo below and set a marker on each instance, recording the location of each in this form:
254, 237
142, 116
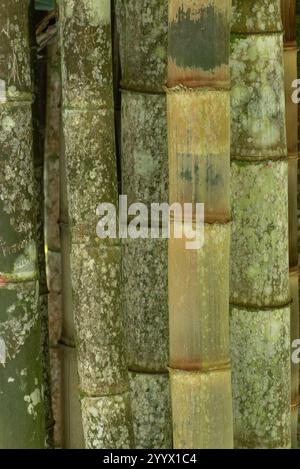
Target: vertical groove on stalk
288, 10
260, 296
22, 419
91, 178
142, 29
198, 100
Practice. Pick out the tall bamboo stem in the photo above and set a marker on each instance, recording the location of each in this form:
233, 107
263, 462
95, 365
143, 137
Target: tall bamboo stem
72, 431
260, 313
39, 78
91, 175
143, 50
22, 423
288, 10
52, 234
198, 101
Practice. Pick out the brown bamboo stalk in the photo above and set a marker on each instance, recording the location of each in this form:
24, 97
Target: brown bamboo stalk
198, 102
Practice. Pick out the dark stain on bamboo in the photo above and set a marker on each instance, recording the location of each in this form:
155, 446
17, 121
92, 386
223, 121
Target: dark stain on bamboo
198, 50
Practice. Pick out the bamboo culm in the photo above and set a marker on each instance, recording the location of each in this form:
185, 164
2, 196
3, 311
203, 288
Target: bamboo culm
39, 79
52, 233
198, 102
22, 419
91, 176
288, 10
72, 431
259, 291
143, 52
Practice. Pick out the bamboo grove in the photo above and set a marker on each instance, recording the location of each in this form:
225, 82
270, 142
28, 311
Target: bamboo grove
137, 342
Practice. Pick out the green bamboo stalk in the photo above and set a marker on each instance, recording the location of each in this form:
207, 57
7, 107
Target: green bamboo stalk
22, 422
288, 11
91, 176
52, 233
260, 313
198, 102
143, 51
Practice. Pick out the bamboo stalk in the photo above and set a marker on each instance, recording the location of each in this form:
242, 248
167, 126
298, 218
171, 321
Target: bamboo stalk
288, 11
198, 102
298, 182
52, 234
22, 422
260, 297
88, 123
143, 45
72, 430
39, 70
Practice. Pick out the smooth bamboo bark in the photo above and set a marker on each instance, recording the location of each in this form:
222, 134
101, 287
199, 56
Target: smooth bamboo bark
288, 11
22, 420
260, 297
198, 102
88, 123
142, 28
52, 233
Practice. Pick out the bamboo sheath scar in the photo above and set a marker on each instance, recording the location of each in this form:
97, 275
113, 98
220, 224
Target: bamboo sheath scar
288, 11
88, 123
142, 29
198, 112
259, 292
22, 422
